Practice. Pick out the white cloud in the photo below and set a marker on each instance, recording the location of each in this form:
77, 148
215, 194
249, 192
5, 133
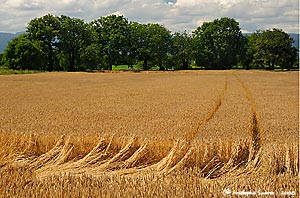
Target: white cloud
177, 15
188, 3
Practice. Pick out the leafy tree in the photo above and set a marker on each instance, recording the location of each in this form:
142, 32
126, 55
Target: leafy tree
160, 39
23, 53
113, 36
248, 56
140, 41
73, 37
90, 56
45, 29
152, 43
182, 50
219, 44
136, 31
273, 47
112, 40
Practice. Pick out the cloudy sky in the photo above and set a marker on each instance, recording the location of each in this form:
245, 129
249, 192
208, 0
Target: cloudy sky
176, 15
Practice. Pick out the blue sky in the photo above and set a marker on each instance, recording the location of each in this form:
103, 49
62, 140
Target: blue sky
176, 15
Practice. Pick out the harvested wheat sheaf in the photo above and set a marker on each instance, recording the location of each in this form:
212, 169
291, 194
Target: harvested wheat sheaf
148, 134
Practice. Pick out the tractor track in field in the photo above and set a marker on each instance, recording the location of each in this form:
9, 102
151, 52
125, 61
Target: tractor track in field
256, 129
197, 129
135, 157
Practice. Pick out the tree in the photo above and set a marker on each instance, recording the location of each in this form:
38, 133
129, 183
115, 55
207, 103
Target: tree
45, 29
273, 47
140, 41
152, 43
22, 53
113, 36
73, 37
248, 56
182, 50
160, 39
219, 44
90, 56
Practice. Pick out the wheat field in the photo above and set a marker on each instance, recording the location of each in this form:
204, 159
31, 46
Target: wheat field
150, 134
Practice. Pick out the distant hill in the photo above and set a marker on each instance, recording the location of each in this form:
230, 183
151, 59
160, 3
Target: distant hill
5, 38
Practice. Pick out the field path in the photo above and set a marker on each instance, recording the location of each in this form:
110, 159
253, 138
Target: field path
276, 97
232, 121
198, 125
256, 129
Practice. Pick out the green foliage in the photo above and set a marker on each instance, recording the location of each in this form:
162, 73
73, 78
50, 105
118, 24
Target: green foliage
151, 44
159, 44
73, 37
141, 44
22, 53
45, 29
1, 61
113, 37
70, 44
182, 50
4, 70
219, 44
272, 48
90, 56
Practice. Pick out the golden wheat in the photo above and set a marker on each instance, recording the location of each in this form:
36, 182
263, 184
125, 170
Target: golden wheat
149, 134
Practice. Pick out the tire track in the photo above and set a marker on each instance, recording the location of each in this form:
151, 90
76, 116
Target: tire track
255, 148
191, 135
256, 129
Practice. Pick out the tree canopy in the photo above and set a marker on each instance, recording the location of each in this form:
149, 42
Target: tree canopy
69, 44
45, 29
73, 37
182, 50
22, 53
113, 37
219, 44
271, 48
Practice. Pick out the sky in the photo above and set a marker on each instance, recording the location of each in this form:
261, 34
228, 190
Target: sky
176, 15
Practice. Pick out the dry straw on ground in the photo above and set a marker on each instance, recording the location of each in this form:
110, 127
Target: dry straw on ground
175, 134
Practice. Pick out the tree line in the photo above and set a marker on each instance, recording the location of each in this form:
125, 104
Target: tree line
62, 43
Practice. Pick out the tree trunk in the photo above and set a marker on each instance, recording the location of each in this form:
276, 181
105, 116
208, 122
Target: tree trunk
273, 65
161, 67
185, 64
50, 57
145, 64
71, 61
